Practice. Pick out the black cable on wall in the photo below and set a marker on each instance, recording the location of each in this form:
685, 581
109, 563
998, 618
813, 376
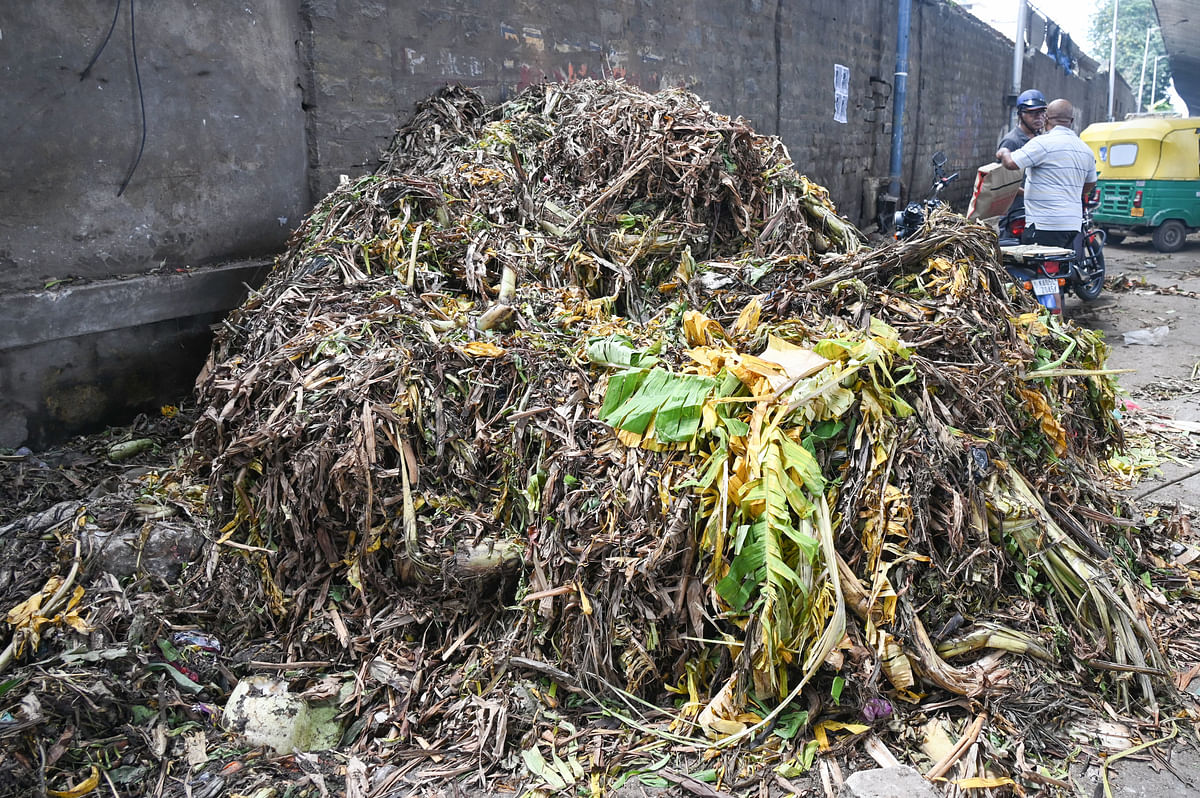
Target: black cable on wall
137, 75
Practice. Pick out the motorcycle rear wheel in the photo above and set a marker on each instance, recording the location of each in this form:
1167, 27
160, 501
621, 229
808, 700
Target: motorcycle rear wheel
1089, 287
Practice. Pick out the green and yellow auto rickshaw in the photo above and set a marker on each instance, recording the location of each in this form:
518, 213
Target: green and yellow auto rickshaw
1149, 178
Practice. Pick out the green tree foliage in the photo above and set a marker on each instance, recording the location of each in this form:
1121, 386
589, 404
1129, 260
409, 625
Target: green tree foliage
1134, 18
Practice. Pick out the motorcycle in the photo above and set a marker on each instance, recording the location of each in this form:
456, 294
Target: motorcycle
1050, 271
1046, 272
909, 220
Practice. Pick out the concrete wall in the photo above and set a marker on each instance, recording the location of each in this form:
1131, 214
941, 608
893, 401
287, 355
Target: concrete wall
254, 110
74, 357
223, 171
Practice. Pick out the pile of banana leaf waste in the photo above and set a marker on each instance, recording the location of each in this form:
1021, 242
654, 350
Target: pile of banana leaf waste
585, 418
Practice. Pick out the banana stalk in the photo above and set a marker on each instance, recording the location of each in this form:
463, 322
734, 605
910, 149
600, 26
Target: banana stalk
839, 230
834, 631
502, 310
1093, 595
988, 635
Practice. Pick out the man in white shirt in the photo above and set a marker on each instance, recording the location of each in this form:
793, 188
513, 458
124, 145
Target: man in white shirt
1060, 173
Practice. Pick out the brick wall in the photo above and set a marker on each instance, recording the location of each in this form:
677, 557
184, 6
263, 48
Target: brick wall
772, 63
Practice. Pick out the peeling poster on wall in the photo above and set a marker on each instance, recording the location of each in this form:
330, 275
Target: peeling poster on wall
841, 92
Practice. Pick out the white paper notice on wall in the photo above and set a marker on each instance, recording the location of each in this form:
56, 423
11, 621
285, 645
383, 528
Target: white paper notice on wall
841, 92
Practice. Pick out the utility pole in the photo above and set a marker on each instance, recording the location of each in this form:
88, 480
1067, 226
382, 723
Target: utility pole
1142, 79
1018, 60
1154, 82
1112, 63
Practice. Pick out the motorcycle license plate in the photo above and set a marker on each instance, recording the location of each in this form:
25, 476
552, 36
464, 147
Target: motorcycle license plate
1043, 287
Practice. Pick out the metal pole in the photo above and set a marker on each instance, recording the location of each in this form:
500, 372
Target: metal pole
1018, 60
1154, 82
1145, 51
903, 23
1112, 63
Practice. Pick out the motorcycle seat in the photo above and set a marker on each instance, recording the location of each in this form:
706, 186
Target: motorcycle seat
1023, 251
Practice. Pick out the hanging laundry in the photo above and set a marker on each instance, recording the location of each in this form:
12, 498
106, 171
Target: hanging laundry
1035, 31
1066, 52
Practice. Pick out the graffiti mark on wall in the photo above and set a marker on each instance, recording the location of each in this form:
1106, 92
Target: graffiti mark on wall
534, 57
572, 72
452, 65
413, 59
533, 39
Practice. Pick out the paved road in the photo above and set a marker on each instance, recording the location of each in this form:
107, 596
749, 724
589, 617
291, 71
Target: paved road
1165, 380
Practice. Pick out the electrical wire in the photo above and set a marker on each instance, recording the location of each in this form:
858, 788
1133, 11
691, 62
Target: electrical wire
137, 74
88, 69
141, 100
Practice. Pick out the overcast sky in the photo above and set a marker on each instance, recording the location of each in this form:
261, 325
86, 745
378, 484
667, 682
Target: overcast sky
1074, 16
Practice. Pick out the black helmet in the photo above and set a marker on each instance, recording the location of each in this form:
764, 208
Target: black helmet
1031, 100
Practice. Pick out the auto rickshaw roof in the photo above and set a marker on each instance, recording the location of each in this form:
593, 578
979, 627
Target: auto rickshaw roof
1142, 127
1152, 148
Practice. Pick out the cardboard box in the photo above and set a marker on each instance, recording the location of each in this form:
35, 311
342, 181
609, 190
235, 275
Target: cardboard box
995, 188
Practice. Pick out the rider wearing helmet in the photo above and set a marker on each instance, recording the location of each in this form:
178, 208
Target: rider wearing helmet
1031, 119
1060, 174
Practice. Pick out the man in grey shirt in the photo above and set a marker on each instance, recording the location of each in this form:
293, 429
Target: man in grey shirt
1060, 172
1031, 118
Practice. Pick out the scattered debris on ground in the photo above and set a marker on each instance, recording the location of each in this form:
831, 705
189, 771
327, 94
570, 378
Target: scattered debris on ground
583, 443
1121, 283
88, 466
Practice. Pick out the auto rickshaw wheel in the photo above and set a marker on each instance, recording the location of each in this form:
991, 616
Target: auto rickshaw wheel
1169, 236
1113, 238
